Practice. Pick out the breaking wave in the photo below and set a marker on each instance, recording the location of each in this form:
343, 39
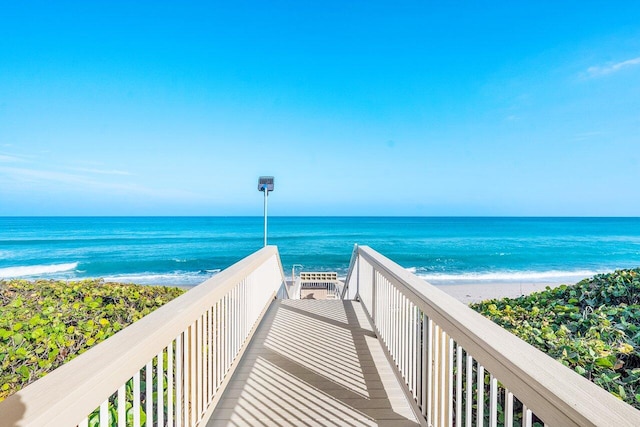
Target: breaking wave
555, 276
36, 270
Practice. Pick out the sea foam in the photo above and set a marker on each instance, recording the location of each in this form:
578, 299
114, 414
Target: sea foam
34, 270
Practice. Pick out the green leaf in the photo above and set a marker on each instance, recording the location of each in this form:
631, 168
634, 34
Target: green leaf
24, 371
604, 362
17, 339
622, 392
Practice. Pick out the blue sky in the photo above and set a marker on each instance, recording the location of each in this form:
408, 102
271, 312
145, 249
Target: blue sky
357, 108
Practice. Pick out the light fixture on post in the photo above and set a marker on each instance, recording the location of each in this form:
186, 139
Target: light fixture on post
265, 184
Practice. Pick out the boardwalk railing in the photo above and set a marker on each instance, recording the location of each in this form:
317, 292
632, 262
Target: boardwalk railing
464, 370
169, 368
318, 280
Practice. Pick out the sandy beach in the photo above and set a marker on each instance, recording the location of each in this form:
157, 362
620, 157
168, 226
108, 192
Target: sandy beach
468, 293
475, 292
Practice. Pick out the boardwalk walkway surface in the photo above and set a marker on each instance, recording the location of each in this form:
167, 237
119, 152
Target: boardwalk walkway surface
314, 363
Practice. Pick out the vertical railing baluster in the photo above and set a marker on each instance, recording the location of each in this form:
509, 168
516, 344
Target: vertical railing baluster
527, 417
389, 332
209, 354
201, 365
236, 321
480, 395
135, 405
469, 392
418, 356
230, 329
382, 310
508, 408
394, 323
387, 308
424, 374
443, 376
493, 401
160, 388
398, 328
379, 309
436, 374
407, 342
149, 392
104, 414
413, 359
385, 320
232, 332
170, 384
122, 406
403, 337
215, 314
225, 333
219, 350
458, 386
450, 370
179, 380
193, 351
429, 362
241, 315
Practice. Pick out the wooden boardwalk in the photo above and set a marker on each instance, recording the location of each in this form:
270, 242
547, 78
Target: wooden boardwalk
314, 363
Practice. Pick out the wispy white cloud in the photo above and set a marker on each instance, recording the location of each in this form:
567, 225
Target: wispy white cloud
603, 70
103, 171
4, 158
35, 175
9, 157
54, 181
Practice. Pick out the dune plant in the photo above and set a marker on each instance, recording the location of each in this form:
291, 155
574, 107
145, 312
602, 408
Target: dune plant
45, 323
593, 327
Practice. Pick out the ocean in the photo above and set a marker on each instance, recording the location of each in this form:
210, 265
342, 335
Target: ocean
189, 250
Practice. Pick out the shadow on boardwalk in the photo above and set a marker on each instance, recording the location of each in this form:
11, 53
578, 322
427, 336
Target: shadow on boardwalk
314, 362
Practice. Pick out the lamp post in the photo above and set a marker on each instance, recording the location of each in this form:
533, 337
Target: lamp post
265, 184
293, 273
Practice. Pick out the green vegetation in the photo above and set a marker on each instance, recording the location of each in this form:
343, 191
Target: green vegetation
44, 324
593, 327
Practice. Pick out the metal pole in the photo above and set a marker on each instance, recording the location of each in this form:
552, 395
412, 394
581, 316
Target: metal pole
293, 273
266, 192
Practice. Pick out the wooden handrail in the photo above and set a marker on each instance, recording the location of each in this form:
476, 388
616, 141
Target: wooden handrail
556, 394
66, 396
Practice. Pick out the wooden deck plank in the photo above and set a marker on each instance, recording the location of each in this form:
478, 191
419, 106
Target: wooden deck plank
314, 363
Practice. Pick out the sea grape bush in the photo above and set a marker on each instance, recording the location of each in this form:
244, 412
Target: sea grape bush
46, 323
593, 327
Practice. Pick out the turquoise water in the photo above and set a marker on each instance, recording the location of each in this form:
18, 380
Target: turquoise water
188, 250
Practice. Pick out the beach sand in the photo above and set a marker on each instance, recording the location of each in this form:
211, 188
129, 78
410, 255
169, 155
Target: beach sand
476, 292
